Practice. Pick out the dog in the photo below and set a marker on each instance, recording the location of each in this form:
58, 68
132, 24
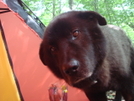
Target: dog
81, 48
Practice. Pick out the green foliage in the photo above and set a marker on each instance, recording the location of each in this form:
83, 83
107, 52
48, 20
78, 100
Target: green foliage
117, 12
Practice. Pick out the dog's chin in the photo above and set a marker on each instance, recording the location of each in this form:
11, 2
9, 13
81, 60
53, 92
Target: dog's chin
85, 83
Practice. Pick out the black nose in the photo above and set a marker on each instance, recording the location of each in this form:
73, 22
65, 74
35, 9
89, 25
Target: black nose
71, 67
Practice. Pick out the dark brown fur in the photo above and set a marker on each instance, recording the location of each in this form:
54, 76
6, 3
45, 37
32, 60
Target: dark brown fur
80, 48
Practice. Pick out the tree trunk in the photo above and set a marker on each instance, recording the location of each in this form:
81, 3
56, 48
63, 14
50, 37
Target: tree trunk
95, 5
70, 4
54, 8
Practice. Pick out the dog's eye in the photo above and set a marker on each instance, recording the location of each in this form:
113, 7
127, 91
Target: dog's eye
76, 33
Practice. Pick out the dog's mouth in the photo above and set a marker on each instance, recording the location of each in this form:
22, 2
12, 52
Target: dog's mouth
85, 82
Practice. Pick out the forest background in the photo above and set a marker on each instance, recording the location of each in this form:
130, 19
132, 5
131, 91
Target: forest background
116, 12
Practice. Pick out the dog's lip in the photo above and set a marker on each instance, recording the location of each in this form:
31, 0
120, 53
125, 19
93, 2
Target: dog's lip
85, 82
81, 79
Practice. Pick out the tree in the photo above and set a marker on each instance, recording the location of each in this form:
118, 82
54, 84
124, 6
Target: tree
117, 12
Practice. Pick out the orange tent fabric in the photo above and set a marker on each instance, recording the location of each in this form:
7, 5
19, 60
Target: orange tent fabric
34, 78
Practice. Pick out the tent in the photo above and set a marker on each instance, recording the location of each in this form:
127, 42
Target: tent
8, 84
33, 77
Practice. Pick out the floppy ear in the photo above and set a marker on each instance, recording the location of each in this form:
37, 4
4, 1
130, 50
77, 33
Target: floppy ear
91, 15
42, 54
47, 60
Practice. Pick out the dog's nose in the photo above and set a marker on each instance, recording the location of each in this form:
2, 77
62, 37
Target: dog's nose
72, 67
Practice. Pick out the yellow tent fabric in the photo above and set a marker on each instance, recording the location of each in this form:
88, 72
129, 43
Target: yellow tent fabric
8, 88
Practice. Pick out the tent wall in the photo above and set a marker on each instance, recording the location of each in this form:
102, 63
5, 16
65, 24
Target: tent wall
7, 82
32, 21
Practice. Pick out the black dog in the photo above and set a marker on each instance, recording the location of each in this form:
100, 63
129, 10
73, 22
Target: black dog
80, 48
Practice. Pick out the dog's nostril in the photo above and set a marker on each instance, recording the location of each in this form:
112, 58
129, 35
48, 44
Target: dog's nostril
71, 67
72, 70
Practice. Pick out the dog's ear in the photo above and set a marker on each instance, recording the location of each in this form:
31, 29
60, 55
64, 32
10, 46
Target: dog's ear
42, 54
91, 15
47, 60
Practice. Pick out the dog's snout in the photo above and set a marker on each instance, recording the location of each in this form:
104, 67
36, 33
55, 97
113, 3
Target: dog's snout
71, 67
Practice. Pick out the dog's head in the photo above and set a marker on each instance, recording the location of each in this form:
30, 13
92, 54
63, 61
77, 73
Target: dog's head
73, 45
